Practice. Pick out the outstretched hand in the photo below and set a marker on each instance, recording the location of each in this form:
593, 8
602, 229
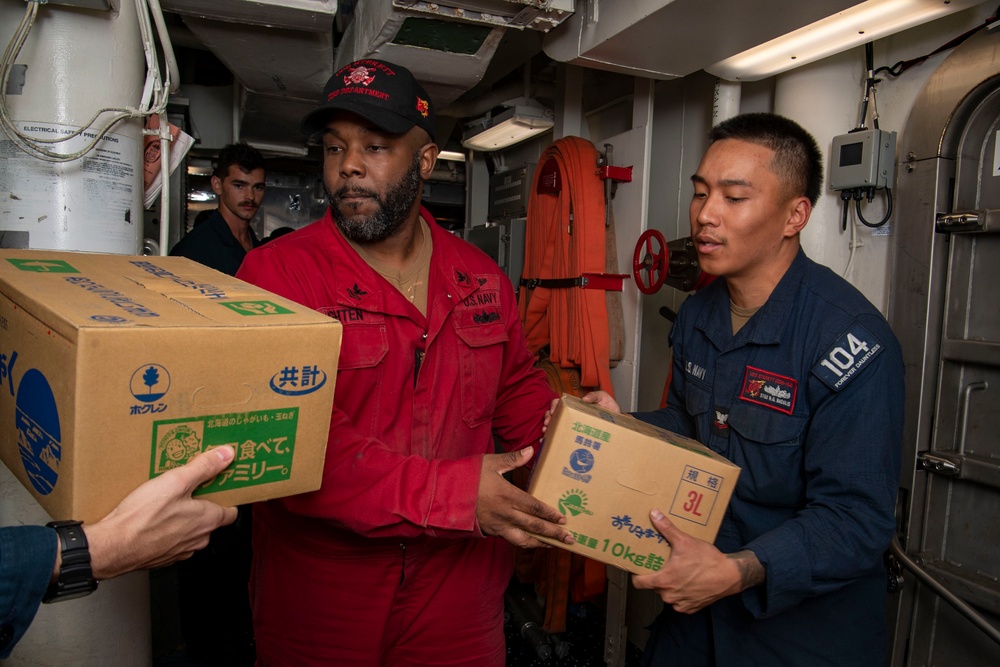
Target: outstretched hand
160, 522
602, 399
506, 511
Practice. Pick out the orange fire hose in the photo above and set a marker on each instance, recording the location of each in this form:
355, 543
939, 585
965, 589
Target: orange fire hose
565, 238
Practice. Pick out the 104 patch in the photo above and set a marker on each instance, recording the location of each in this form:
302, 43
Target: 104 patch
844, 361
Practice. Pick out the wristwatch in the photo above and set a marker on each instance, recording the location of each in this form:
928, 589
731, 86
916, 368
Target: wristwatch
76, 579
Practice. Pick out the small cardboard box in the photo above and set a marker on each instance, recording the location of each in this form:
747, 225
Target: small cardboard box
605, 472
115, 369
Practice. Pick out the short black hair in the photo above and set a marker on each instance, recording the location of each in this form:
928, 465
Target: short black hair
242, 154
797, 161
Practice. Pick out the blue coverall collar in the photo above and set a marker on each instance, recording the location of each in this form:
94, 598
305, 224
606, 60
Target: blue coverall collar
767, 324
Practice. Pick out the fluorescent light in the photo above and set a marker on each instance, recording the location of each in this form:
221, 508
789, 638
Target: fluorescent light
454, 156
857, 25
279, 149
507, 128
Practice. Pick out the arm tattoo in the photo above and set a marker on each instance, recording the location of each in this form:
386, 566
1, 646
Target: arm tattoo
751, 571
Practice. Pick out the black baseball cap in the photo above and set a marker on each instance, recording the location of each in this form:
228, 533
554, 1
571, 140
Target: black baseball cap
384, 93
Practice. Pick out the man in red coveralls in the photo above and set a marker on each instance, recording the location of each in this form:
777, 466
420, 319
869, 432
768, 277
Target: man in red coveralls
397, 559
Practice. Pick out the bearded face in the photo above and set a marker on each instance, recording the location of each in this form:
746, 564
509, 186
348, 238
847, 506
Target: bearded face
391, 207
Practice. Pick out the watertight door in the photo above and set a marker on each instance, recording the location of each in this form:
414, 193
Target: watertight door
946, 311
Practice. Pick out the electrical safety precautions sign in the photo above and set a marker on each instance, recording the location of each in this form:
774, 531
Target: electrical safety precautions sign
264, 441
89, 204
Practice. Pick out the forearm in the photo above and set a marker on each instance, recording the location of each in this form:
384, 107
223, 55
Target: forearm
751, 570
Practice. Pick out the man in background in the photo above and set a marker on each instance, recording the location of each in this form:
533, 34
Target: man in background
224, 239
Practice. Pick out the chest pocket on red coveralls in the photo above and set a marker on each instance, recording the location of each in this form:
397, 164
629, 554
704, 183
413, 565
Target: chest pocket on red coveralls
766, 445
363, 345
480, 354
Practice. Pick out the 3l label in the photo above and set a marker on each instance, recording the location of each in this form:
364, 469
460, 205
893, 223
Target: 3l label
696, 495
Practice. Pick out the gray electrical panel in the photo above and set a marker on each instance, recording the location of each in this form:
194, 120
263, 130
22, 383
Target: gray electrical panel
863, 159
509, 193
504, 242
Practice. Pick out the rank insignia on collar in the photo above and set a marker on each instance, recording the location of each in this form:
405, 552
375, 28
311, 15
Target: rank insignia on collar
356, 292
720, 422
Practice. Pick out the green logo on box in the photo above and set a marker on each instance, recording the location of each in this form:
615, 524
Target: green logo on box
574, 502
264, 441
42, 265
256, 307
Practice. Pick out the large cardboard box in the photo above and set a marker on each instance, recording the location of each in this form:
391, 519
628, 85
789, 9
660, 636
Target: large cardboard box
605, 472
115, 369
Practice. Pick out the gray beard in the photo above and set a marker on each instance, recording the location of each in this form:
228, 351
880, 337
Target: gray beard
392, 212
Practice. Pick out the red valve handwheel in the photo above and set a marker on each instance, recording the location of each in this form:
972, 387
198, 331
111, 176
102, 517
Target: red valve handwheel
649, 261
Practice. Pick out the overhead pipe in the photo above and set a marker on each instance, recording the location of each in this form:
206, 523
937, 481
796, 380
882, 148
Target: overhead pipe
725, 100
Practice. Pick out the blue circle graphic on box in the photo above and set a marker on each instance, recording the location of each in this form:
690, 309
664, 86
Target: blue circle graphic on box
581, 460
150, 382
39, 437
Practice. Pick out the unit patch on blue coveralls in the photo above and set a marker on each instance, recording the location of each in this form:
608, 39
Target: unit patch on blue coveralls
769, 389
847, 357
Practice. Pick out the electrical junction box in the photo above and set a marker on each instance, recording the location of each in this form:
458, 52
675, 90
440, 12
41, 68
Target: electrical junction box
509, 193
504, 242
863, 159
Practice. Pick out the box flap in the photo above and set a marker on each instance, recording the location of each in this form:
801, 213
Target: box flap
73, 291
633, 424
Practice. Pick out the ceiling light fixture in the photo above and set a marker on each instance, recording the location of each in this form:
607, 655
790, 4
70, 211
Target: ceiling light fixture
279, 150
513, 125
852, 27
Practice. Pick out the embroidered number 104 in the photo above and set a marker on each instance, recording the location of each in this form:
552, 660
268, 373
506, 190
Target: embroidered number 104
849, 354
840, 360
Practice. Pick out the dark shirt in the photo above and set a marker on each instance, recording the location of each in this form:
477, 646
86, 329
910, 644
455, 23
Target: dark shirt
212, 243
807, 398
27, 556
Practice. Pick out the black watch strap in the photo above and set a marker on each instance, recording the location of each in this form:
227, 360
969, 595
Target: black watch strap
76, 579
